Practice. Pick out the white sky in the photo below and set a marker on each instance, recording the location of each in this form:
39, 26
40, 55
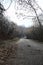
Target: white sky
40, 2
19, 20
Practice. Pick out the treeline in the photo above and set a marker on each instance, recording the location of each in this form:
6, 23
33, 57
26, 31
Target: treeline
36, 34
7, 28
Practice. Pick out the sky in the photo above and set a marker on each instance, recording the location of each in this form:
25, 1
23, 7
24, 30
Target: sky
40, 2
13, 14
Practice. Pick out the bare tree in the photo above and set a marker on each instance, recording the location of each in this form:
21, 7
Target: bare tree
2, 7
33, 6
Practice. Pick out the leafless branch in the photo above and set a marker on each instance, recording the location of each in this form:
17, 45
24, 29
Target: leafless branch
9, 5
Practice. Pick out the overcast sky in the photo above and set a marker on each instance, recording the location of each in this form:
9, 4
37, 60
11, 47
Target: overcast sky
18, 19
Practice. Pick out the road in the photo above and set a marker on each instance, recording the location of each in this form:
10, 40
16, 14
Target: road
28, 52
24, 42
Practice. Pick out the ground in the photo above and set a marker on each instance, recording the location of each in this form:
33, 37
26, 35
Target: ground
22, 52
